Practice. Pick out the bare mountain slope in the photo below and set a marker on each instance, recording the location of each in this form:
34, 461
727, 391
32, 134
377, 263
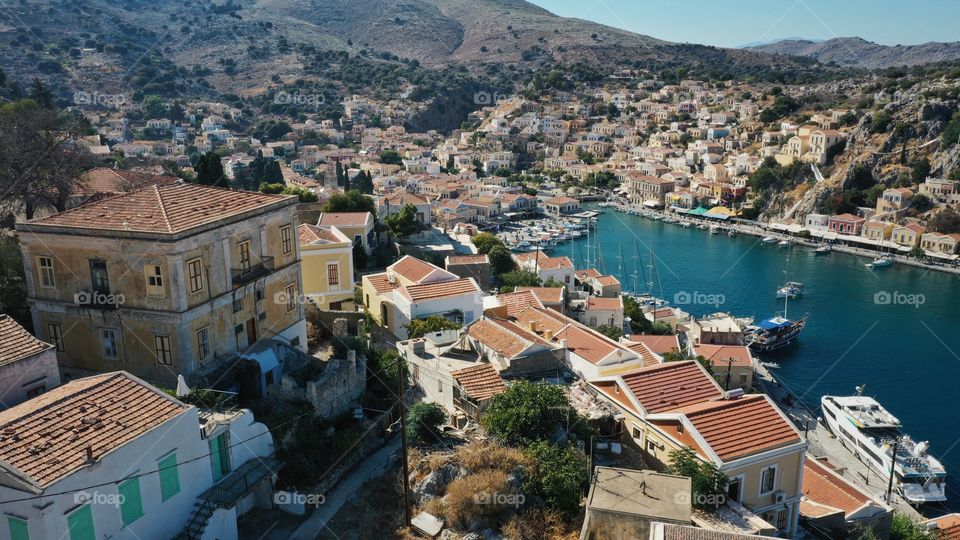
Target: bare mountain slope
854, 51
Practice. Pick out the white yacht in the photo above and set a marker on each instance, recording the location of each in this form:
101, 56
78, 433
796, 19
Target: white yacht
868, 430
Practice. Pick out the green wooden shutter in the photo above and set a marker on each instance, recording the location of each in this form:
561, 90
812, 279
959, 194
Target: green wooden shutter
80, 523
131, 507
18, 529
215, 454
169, 477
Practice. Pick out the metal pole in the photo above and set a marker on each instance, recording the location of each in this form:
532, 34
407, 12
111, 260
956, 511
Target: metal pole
403, 438
893, 465
726, 385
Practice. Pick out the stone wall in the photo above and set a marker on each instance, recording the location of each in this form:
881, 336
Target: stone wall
336, 391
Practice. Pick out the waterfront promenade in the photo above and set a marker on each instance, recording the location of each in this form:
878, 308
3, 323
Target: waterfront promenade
758, 229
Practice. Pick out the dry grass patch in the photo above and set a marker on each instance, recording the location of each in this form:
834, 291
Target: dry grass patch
539, 524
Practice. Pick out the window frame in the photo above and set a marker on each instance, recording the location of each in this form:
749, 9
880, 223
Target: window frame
56, 338
154, 272
336, 275
46, 271
195, 280
286, 239
203, 345
115, 343
773, 482
125, 501
164, 349
290, 291
245, 255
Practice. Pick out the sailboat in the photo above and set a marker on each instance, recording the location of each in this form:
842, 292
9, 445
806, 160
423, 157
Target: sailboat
776, 332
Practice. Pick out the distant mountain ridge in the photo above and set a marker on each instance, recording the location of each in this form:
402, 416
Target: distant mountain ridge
858, 52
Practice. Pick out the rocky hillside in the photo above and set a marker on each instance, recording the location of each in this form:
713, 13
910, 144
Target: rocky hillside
187, 47
858, 52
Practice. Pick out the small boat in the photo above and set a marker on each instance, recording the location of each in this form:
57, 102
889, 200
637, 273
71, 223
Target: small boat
881, 262
769, 240
791, 289
714, 229
823, 250
702, 227
731, 233
522, 246
686, 225
770, 365
784, 243
773, 334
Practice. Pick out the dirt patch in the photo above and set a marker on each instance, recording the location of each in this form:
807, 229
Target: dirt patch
373, 514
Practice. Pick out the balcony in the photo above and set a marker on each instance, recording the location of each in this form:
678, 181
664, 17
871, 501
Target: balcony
242, 276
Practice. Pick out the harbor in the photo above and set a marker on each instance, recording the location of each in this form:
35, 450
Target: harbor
855, 316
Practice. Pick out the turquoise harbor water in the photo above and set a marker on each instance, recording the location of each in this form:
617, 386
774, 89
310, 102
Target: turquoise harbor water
907, 351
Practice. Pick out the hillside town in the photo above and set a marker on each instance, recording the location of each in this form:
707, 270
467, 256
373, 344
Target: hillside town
234, 325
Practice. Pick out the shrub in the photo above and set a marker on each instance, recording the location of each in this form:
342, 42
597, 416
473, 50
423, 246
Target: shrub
560, 475
465, 500
526, 412
423, 423
539, 524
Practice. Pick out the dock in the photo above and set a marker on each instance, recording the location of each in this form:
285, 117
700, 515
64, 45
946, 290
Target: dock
823, 444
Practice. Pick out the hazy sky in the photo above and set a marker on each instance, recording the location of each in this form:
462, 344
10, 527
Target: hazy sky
732, 23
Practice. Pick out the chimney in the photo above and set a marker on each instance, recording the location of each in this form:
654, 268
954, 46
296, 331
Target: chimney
89, 452
548, 335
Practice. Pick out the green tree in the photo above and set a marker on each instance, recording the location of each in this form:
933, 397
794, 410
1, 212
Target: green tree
485, 241
518, 278
153, 107
403, 223
210, 171
500, 260
946, 221
611, 331
423, 423
560, 476
919, 170
305, 195
708, 483
271, 189
434, 323
921, 203
905, 528
391, 157
13, 288
951, 133
351, 201
41, 95
530, 411
360, 258
363, 182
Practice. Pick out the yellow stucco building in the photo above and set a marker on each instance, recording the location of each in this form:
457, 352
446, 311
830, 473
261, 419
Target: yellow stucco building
327, 259
166, 280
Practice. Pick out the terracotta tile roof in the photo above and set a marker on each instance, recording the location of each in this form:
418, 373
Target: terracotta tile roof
16, 342
670, 386
344, 219
405, 197
608, 281
503, 336
413, 268
381, 283
648, 356
518, 300
108, 180
721, 354
480, 382
163, 209
686, 532
947, 527
554, 263
657, 344
736, 428
467, 259
313, 234
46, 437
605, 304
546, 295
543, 320
825, 487
563, 200
430, 291
587, 274
589, 345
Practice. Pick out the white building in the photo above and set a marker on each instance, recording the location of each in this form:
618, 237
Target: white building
28, 366
110, 456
